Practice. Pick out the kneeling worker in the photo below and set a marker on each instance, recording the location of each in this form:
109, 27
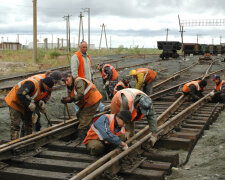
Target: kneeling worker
194, 89
218, 94
87, 98
107, 131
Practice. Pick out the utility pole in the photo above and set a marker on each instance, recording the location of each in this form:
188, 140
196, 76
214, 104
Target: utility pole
182, 37
34, 31
110, 43
67, 18
212, 40
89, 25
103, 29
81, 26
197, 38
18, 36
167, 34
52, 40
220, 39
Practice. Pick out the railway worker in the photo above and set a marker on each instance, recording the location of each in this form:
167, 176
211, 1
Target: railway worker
125, 83
109, 76
218, 94
145, 79
106, 132
81, 63
140, 105
194, 89
22, 101
57, 77
87, 97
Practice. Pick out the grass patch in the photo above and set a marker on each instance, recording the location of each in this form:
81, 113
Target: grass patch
57, 58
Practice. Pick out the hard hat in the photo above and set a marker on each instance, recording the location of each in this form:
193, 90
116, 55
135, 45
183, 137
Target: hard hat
145, 105
133, 73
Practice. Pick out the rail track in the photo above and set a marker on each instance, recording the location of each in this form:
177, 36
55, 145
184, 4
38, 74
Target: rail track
50, 154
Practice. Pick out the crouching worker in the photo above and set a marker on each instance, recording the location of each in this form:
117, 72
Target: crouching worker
218, 94
87, 98
194, 89
140, 105
107, 132
23, 100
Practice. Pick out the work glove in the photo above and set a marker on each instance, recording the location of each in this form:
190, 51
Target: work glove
152, 140
42, 106
34, 118
124, 146
32, 106
65, 100
212, 93
106, 83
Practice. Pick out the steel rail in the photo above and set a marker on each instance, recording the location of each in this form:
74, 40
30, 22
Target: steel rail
159, 94
162, 130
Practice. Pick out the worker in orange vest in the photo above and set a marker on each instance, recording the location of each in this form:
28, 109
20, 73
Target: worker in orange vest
109, 76
81, 64
125, 83
107, 132
194, 89
87, 97
140, 105
57, 77
22, 100
218, 94
145, 79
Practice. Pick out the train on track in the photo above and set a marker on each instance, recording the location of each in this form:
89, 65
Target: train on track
170, 49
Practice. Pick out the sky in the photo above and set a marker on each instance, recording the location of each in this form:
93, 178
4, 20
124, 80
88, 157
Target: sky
129, 23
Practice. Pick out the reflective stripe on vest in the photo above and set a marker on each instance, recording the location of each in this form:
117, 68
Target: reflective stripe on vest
119, 84
132, 95
143, 71
104, 71
218, 88
36, 93
86, 90
195, 83
111, 116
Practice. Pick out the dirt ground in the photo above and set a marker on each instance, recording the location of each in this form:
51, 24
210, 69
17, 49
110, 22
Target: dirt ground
208, 158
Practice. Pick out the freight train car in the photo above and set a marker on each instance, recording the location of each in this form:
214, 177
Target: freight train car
169, 49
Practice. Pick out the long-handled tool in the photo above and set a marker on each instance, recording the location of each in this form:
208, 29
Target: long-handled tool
49, 122
67, 109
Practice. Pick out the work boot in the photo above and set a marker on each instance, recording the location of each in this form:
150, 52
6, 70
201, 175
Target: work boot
14, 135
80, 137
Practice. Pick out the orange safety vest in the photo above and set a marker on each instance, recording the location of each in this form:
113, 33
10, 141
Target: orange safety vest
186, 86
91, 94
39, 77
12, 100
130, 94
114, 72
120, 83
219, 86
94, 134
81, 64
149, 75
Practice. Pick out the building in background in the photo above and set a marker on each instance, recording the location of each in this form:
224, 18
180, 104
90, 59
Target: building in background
10, 46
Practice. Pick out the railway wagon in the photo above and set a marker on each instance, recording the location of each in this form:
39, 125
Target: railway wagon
219, 49
188, 48
204, 48
212, 49
169, 49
